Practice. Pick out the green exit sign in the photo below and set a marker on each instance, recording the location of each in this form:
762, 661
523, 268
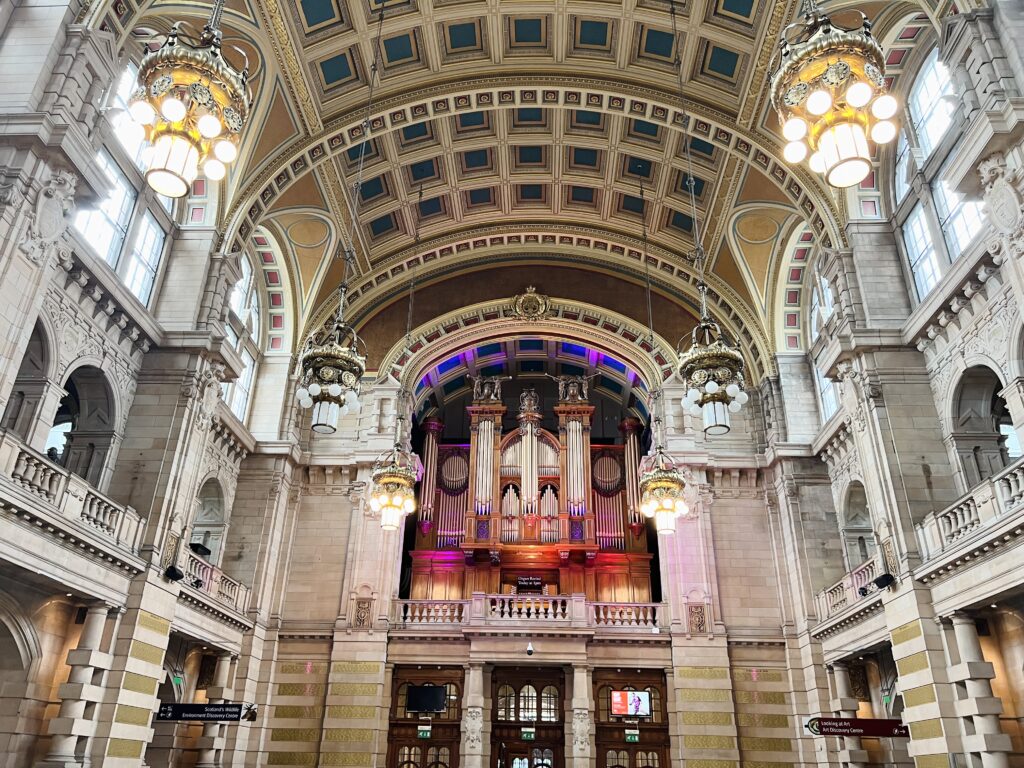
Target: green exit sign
528, 734
632, 736
423, 732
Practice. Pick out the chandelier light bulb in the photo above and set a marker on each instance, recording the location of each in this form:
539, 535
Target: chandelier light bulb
314, 389
301, 394
334, 390
711, 387
306, 403
209, 126
344, 410
732, 390
794, 129
225, 151
173, 109
816, 162
859, 94
883, 132
374, 504
794, 152
885, 106
742, 397
734, 407
693, 394
695, 410
681, 508
819, 102
142, 112
214, 169
130, 132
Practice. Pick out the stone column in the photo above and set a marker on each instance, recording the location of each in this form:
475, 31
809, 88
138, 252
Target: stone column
582, 717
75, 722
472, 750
211, 743
980, 710
853, 753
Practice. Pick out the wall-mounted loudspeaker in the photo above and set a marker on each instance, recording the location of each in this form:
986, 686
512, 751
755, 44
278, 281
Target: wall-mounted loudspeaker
174, 573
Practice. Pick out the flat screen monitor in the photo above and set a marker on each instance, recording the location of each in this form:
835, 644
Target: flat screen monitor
426, 698
631, 703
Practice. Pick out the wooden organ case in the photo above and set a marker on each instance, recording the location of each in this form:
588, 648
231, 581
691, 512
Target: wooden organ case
530, 511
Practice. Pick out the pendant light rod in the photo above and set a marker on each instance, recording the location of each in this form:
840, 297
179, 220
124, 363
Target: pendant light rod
213, 25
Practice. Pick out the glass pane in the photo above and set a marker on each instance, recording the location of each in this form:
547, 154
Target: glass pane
127, 130
104, 227
528, 703
961, 219
240, 389
902, 167
144, 258
549, 704
930, 108
506, 703
924, 262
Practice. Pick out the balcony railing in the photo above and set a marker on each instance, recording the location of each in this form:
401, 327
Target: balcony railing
211, 580
987, 503
527, 611
70, 496
846, 591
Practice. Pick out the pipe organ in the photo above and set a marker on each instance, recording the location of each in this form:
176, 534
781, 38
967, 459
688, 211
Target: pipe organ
531, 510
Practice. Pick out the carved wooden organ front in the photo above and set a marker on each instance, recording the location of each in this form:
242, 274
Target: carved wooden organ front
531, 511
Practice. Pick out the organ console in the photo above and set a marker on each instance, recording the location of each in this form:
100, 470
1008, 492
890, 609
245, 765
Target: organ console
531, 510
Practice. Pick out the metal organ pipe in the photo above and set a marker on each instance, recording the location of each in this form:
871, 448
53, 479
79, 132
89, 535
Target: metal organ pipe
484, 466
428, 488
574, 463
529, 468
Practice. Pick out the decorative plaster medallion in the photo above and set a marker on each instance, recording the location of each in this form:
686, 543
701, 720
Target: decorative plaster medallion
531, 305
1003, 206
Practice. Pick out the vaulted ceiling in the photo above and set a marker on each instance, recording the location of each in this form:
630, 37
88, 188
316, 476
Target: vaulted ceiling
523, 136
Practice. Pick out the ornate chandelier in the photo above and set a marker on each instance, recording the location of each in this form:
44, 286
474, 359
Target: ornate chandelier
662, 487
394, 478
191, 105
712, 371
831, 97
333, 363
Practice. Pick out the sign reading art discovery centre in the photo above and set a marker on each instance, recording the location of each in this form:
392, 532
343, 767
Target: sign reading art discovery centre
856, 726
210, 713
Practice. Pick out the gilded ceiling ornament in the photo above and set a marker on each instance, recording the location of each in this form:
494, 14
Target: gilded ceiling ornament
531, 305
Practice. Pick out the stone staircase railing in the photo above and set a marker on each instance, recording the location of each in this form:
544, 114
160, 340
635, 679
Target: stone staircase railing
70, 496
987, 503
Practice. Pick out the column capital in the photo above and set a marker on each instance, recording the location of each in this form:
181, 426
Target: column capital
433, 425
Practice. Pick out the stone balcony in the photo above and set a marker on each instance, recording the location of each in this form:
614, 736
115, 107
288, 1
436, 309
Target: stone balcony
845, 593
969, 550
528, 613
211, 583
66, 509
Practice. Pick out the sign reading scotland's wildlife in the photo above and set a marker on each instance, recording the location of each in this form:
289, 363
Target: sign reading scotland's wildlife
209, 713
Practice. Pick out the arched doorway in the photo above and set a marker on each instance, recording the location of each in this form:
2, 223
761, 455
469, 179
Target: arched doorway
30, 387
82, 434
210, 525
982, 431
17, 730
858, 533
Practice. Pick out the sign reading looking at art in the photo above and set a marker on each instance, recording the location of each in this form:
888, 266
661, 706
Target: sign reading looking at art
856, 726
631, 703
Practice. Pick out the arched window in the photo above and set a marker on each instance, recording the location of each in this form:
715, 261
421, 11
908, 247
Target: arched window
549, 704
409, 757
128, 228
647, 760
82, 434
438, 757
655, 703
981, 426
901, 180
961, 220
506, 703
617, 758
542, 758
858, 534
244, 331
931, 103
528, 703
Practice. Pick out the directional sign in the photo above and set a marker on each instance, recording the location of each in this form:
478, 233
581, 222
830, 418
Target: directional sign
632, 736
423, 731
528, 734
210, 713
856, 726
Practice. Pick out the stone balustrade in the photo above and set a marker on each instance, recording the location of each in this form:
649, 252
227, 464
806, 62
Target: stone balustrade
526, 611
990, 501
211, 580
846, 592
69, 495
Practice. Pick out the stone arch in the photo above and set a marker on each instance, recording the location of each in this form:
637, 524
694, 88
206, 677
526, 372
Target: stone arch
798, 185
620, 336
979, 425
87, 415
857, 528
32, 385
210, 522
21, 656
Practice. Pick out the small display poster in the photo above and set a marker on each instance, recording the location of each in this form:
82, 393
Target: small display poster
529, 585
